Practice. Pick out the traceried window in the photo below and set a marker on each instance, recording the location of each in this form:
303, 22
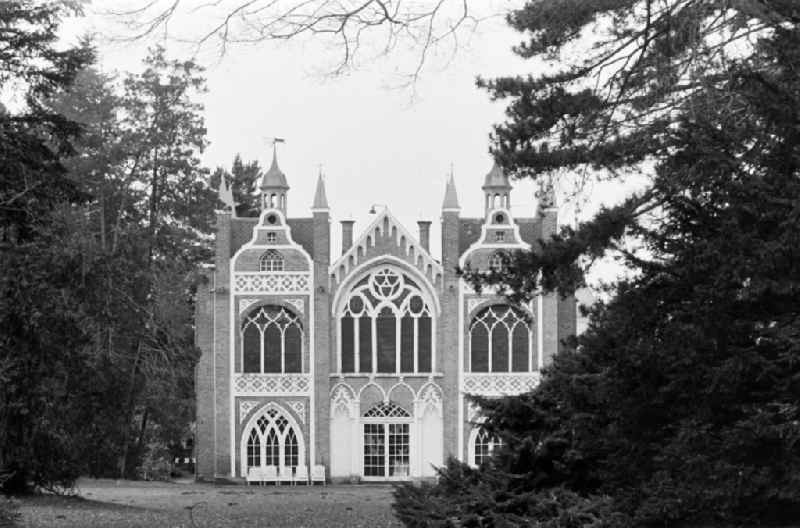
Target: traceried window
272, 341
485, 444
500, 341
273, 441
271, 260
386, 325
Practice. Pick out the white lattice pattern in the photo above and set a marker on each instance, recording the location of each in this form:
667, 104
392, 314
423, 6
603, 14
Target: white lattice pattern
299, 407
472, 303
246, 303
298, 304
272, 283
272, 384
499, 384
245, 407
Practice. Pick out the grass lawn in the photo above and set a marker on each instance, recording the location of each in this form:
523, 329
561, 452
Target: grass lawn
108, 503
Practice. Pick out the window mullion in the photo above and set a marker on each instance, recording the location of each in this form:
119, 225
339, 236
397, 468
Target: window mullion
416, 345
261, 356
397, 320
356, 344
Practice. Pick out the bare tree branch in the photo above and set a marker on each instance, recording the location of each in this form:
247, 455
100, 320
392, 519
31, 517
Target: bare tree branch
359, 29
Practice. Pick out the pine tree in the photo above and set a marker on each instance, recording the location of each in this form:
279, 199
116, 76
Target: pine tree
680, 401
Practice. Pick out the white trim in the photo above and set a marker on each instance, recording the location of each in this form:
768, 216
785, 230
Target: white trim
233, 325
252, 422
482, 242
377, 224
540, 331
460, 373
400, 265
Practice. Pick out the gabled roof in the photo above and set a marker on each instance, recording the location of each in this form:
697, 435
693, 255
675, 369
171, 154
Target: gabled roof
386, 225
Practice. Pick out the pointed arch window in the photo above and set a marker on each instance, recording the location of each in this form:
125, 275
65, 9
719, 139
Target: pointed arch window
500, 340
271, 260
484, 444
272, 341
386, 326
274, 440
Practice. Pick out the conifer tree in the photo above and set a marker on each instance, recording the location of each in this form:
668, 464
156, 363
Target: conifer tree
680, 401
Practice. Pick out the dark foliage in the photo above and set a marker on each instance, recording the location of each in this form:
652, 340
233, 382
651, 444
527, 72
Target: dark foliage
680, 402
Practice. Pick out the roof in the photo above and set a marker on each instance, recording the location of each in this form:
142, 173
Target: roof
496, 178
274, 178
320, 198
450, 195
302, 232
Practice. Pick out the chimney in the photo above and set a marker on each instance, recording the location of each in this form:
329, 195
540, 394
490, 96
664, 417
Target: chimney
424, 233
347, 234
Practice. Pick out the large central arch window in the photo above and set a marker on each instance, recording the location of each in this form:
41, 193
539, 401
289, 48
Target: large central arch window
272, 341
500, 341
386, 325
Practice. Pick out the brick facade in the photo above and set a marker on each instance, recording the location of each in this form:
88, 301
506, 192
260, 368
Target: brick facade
326, 407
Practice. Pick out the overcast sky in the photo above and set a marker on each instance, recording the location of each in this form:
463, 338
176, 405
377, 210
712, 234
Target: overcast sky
376, 143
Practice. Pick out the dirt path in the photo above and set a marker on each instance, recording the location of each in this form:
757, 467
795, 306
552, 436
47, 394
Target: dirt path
107, 503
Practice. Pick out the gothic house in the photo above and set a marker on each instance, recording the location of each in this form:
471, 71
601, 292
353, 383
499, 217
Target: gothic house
360, 362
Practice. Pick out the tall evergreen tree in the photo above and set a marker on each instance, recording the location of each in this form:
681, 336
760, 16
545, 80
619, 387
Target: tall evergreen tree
680, 403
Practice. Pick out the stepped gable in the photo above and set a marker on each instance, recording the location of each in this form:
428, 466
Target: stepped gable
384, 237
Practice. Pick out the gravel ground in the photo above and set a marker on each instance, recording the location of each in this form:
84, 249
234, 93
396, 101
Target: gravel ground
113, 504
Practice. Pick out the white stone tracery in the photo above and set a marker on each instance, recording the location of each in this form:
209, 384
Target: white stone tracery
386, 294
271, 427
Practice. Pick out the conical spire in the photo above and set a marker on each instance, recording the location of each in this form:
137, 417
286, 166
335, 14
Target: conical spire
274, 178
450, 194
320, 199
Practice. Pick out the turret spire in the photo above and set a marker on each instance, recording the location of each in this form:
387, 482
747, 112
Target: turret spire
273, 184
450, 194
497, 189
320, 198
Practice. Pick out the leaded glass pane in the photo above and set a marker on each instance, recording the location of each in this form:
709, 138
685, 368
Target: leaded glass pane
272, 449
374, 450
425, 339
407, 344
386, 329
398, 450
272, 348
365, 344
479, 349
348, 344
253, 449
519, 348
293, 344
251, 354
500, 348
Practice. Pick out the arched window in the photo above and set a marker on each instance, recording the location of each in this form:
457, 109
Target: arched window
483, 446
497, 260
272, 341
386, 325
274, 440
271, 260
500, 341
